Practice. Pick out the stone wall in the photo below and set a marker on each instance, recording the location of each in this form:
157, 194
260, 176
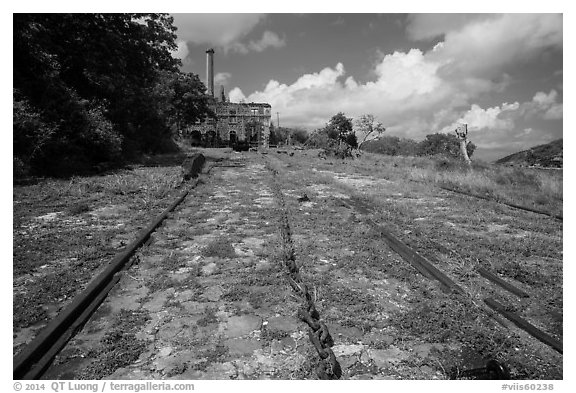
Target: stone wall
249, 122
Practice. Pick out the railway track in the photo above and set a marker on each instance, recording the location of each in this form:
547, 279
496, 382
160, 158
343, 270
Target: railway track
32, 361
427, 268
229, 309
495, 295
512, 205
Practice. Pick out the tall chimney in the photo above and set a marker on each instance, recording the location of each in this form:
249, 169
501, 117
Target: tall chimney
210, 71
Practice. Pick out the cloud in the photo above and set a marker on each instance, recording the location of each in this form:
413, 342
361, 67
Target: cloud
544, 105
547, 104
494, 118
428, 26
269, 40
215, 29
503, 117
406, 84
182, 51
225, 31
524, 132
222, 78
486, 47
414, 92
236, 95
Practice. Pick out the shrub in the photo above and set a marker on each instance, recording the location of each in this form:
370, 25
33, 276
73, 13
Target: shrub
30, 133
450, 164
444, 144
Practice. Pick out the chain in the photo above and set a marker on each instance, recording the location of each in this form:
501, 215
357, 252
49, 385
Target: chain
329, 368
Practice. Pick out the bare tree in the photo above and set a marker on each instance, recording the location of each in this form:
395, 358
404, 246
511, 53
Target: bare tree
368, 129
462, 134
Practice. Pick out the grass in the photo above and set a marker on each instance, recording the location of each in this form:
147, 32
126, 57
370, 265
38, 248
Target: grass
220, 247
145, 183
119, 347
143, 192
208, 317
532, 188
521, 186
457, 234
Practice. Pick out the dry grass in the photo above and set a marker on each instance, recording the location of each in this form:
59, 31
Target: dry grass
532, 188
86, 242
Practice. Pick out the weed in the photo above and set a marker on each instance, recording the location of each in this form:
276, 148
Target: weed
172, 262
119, 347
208, 317
211, 355
162, 282
235, 294
220, 247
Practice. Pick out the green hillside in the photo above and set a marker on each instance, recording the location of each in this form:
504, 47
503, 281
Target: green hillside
547, 156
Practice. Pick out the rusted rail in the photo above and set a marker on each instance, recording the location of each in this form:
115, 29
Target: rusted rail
429, 270
33, 360
513, 205
525, 325
425, 267
497, 280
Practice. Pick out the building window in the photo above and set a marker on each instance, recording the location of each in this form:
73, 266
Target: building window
232, 120
260, 111
254, 111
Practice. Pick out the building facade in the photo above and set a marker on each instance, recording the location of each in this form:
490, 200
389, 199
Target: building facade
235, 123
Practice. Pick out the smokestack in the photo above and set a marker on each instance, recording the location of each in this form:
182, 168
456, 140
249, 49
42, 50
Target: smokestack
222, 94
210, 71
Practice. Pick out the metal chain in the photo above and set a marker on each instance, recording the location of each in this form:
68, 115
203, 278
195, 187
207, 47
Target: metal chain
329, 368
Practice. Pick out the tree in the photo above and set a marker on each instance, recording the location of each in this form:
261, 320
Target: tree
392, 146
94, 80
337, 138
299, 135
444, 144
339, 127
180, 99
282, 134
462, 133
368, 129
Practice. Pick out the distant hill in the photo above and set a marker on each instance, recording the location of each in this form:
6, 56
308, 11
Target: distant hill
547, 156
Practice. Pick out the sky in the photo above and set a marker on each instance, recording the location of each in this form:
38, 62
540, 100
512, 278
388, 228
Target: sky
501, 74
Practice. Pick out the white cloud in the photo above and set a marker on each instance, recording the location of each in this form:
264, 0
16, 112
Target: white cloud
215, 29
236, 95
406, 83
486, 46
225, 31
524, 132
222, 78
545, 106
427, 26
415, 93
269, 40
486, 119
555, 112
182, 50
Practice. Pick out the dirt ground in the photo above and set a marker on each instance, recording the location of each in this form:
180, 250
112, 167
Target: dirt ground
208, 298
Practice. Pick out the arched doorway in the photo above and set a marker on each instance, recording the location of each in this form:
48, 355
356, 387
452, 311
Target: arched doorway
233, 138
195, 138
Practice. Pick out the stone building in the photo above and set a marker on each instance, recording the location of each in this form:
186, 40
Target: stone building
236, 123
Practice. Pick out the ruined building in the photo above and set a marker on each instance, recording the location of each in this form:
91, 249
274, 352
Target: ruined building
242, 123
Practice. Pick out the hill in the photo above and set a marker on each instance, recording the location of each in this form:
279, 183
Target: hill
547, 156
